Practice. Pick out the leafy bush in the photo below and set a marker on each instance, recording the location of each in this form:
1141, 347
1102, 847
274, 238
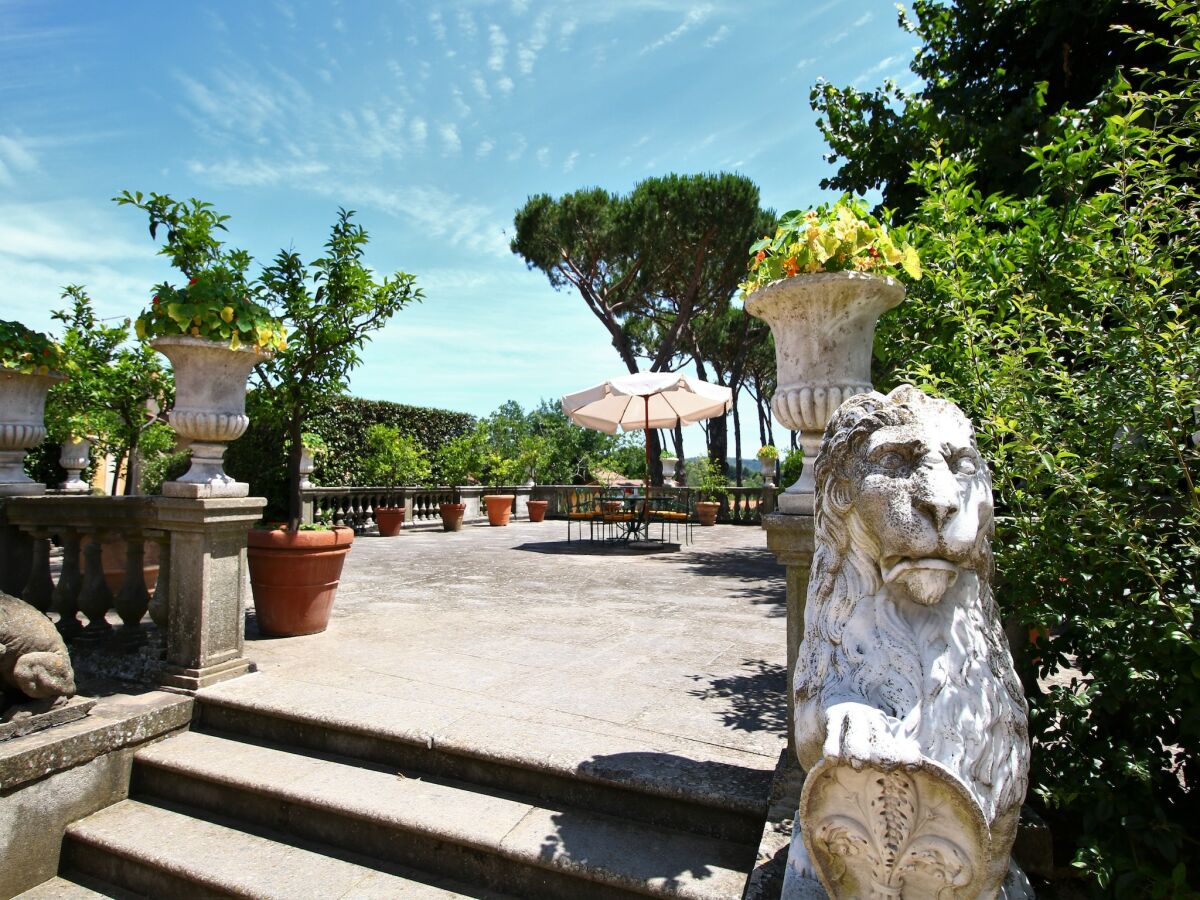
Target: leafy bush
393, 458
1064, 324
790, 468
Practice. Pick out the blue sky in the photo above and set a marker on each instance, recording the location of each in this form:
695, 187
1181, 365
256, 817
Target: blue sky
434, 121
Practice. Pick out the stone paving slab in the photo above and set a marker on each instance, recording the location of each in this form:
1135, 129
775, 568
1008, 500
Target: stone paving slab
675, 652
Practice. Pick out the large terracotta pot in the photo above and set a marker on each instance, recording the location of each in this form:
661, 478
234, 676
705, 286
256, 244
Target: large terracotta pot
294, 576
706, 512
22, 427
499, 508
74, 457
389, 519
210, 410
452, 516
824, 330
113, 556
537, 510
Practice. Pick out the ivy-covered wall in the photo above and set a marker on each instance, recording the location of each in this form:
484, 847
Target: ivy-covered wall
260, 455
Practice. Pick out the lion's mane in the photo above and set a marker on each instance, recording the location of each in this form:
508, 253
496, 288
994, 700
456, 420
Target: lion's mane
955, 692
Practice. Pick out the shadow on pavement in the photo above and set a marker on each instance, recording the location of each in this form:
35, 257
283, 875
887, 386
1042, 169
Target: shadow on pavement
597, 548
753, 574
755, 701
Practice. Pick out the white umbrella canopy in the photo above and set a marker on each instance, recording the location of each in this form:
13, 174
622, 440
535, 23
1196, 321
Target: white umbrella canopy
647, 400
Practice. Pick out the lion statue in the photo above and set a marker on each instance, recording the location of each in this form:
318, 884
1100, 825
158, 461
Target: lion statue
910, 720
35, 669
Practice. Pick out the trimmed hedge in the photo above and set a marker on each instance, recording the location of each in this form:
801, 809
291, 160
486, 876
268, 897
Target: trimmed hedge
260, 457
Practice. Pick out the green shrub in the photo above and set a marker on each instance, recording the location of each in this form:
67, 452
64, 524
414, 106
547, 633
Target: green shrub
1063, 323
393, 458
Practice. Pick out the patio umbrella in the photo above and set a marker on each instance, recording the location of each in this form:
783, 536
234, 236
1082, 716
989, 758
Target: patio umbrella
647, 400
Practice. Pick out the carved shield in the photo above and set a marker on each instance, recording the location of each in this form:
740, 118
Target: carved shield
900, 834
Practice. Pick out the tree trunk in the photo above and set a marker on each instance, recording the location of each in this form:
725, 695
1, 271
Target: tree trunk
295, 509
677, 435
737, 440
718, 444
118, 461
133, 477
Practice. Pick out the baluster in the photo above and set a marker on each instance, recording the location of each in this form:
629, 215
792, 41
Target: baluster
95, 598
65, 599
160, 604
39, 589
133, 599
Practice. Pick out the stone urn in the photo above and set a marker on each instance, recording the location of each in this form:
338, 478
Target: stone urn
767, 462
74, 458
210, 410
824, 330
306, 467
670, 466
22, 427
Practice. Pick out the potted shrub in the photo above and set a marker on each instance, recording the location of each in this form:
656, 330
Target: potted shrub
458, 462
393, 459
213, 333
710, 484
499, 471
537, 510
312, 445
28, 364
332, 306
821, 282
768, 455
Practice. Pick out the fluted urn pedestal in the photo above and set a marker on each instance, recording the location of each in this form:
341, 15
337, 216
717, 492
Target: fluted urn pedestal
824, 330
210, 410
22, 427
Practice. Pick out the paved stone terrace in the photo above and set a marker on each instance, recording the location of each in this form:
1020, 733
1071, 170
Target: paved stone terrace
516, 641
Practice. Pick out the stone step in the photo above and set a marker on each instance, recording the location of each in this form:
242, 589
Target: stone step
717, 795
163, 852
75, 886
498, 840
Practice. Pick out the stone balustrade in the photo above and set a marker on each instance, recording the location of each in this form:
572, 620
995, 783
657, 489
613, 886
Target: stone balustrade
355, 506
195, 615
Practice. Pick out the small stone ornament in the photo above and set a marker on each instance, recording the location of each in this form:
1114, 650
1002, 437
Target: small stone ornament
910, 720
35, 669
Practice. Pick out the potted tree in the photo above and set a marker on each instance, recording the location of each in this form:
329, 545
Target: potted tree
28, 364
212, 332
821, 282
332, 306
393, 459
710, 484
458, 462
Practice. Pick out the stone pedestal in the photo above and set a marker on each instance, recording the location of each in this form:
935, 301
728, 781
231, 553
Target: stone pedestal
208, 584
790, 538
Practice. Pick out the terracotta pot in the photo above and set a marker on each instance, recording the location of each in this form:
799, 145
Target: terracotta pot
389, 519
499, 508
537, 510
22, 427
452, 516
294, 576
112, 561
706, 512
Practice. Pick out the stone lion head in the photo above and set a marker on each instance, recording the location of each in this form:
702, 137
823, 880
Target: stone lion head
900, 614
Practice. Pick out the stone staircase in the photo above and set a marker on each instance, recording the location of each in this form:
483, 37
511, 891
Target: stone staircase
263, 799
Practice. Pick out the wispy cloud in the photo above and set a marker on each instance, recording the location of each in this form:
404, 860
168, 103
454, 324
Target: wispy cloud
451, 142
891, 65
527, 51
419, 131
287, 12
480, 84
257, 172
569, 163
498, 41
460, 104
520, 7
437, 25
505, 85
565, 31
806, 62
466, 24
339, 24
485, 148
16, 158
717, 36
543, 156
854, 26
517, 150
695, 16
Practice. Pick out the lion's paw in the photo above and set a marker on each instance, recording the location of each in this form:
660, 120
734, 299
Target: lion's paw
859, 735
